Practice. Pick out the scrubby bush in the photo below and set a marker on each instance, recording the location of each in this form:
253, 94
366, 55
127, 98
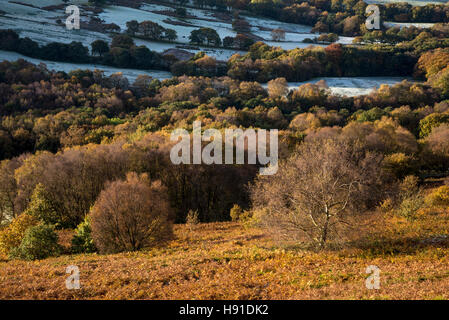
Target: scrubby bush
13, 234
238, 214
387, 205
39, 242
409, 186
82, 241
410, 199
192, 217
41, 208
439, 197
235, 212
399, 164
409, 206
130, 215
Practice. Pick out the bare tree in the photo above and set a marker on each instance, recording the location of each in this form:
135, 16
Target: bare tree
318, 192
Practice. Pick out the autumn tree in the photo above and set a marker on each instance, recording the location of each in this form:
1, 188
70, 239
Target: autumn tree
431, 62
205, 36
437, 144
242, 41
41, 208
351, 26
130, 215
277, 87
132, 27
319, 193
8, 189
433, 120
99, 47
441, 81
122, 41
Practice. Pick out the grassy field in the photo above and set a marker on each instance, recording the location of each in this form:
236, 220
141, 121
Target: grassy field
228, 261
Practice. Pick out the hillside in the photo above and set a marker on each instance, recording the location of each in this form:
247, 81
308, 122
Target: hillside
227, 261
224, 149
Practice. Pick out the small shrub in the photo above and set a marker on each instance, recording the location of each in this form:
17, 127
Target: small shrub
131, 215
439, 197
82, 241
409, 201
387, 205
12, 235
409, 186
410, 206
240, 215
236, 212
192, 217
39, 242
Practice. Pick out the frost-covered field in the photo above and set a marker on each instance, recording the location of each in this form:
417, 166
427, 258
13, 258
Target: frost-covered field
353, 86
121, 15
45, 3
41, 26
343, 86
408, 24
295, 33
131, 74
412, 2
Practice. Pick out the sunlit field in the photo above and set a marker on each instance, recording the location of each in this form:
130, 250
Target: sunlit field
230, 261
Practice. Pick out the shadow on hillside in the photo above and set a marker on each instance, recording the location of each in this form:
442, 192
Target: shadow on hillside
405, 246
380, 247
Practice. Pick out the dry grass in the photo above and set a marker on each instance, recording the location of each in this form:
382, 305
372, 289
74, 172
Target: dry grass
227, 261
